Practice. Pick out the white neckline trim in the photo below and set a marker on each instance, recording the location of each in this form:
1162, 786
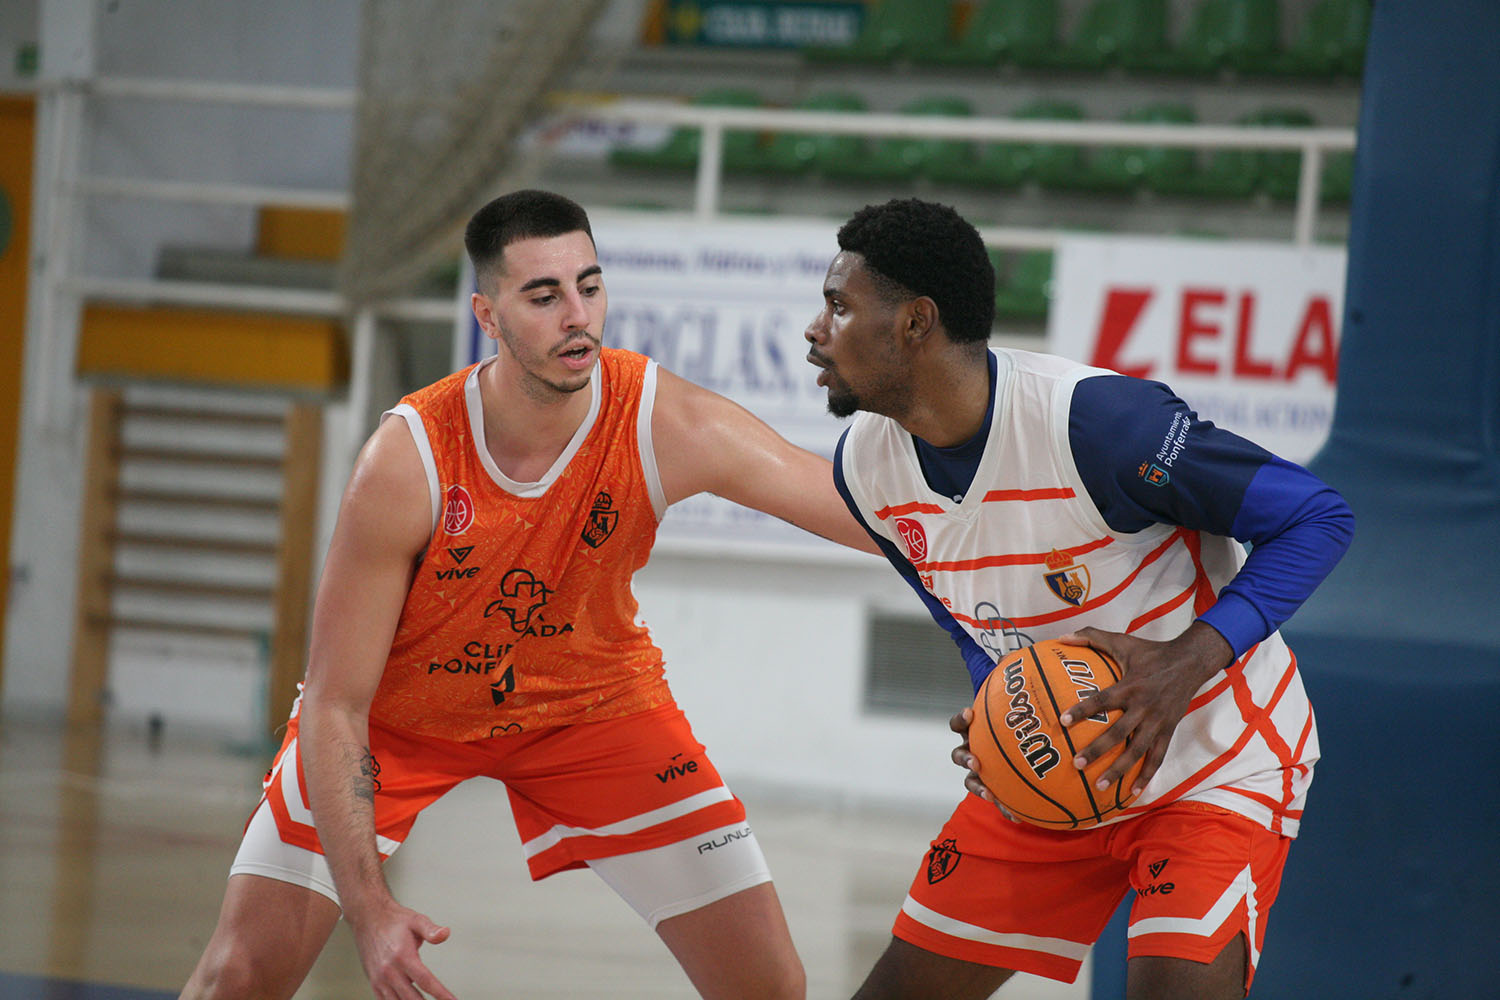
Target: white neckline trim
475, 408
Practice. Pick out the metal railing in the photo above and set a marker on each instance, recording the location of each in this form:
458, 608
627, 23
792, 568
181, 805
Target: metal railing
63, 291
1312, 143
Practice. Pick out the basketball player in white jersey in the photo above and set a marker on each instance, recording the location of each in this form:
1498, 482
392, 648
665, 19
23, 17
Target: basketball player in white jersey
1027, 497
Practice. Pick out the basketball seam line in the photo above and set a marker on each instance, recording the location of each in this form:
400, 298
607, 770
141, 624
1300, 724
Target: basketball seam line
1067, 734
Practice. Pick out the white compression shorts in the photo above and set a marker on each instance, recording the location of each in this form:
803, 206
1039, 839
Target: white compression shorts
658, 883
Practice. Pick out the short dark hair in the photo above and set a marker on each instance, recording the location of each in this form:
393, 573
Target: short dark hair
520, 215
922, 248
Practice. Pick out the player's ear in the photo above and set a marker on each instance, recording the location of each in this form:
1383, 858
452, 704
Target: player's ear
921, 319
484, 312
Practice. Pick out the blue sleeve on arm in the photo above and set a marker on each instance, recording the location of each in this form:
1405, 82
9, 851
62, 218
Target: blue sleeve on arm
976, 659
1299, 527
1146, 458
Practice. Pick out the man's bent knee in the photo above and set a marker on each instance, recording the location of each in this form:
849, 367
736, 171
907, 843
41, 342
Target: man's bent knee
231, 972
1152, 977
790, 982
905, 971
268, 936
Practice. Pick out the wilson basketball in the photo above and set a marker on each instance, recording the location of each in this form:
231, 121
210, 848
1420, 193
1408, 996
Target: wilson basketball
1026, 755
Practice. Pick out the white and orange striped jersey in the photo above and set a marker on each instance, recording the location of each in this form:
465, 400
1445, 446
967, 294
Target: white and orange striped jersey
1024, 553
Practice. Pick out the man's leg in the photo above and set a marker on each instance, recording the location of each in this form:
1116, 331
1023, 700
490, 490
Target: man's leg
638, 800
906, 972
738, 946
269, 934
1153, 977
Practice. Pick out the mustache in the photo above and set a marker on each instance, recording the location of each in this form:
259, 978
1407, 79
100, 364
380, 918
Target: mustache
814, 358
584, 340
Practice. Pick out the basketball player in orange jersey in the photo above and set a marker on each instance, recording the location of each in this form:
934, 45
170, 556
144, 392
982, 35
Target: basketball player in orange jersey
1026, 497
475, 618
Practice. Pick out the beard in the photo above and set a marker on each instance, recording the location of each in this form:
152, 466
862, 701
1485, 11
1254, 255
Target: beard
540, 386
889, 396
842, 402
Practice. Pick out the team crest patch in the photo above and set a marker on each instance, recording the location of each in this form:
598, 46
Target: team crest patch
1067, 581
458, 510
601, 522
941, 860
913, 537
1153, 474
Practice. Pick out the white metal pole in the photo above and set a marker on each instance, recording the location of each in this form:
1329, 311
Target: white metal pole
1307, 195
710, 164
361, 371
464, 349
58, 320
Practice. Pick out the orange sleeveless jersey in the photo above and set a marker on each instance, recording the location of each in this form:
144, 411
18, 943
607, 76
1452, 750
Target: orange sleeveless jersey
521, 614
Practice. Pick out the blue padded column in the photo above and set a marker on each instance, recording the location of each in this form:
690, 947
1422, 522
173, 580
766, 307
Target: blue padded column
1393, 889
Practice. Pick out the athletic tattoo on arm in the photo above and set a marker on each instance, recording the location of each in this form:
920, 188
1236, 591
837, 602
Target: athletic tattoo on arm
367, 783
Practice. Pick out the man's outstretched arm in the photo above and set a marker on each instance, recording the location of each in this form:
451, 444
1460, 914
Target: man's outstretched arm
706, 443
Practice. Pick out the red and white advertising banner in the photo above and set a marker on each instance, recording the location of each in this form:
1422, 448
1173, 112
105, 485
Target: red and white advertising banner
1246, 333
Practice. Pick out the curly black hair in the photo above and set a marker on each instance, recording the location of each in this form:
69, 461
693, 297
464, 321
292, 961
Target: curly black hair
520, 215
923, 248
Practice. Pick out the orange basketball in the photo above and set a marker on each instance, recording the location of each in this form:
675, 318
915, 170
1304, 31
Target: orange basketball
1026, 756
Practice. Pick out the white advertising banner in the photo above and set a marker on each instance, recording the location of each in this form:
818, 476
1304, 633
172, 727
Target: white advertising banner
1246, 333
724, 305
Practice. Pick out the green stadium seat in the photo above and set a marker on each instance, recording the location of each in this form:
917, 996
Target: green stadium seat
1329, 42
997, 261
1112, 31
986, 165
1238, 34
795, 152
1228, 173
1353, 33
1201, 47
1026, 291
679, 151
1337, 182
1019, 31
1054, 164
1125, 168
1239, 173
1282, 176
1281, 172
897, 158
1252, 35
891, 30
1253, 39
1008, 164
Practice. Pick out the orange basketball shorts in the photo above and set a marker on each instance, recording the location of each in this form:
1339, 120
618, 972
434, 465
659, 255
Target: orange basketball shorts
577, 793
1021, 897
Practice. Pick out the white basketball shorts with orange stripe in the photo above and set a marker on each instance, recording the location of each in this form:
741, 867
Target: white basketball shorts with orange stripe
1022, 897
635, 798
